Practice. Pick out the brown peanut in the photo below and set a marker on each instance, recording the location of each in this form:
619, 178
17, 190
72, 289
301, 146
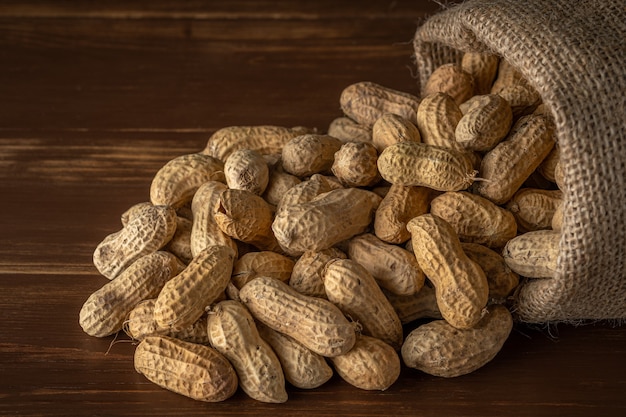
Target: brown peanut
365, 102
246, 169
439, 349
370, 365
461, 286
195, 371
557, 219
324, 221
105, 310
534, 208
309, 154
452, 80
347, 130
306, 276
180, 244
183, 299
315, 322
265, 139
399, 205
354, 290
394, 268
355, 165
233, 333
548, 166
475, 219
500, 278
266, 263
504, 169
302, 367
437, 118
279, 183
483, 68
485, 122
391, 128
178, 180
419, 164
149, 229
421, 305
533, 254
511, 85
305, 191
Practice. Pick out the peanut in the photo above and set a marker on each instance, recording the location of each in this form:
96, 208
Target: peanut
399, 205
439, 349
306, 276
486, 121
483, 68
324, 221
370, 365
180, 244
475, 219
421, 305
534, 208
105, 310
437, 118
394, 268
184, 298
500, 278
533, 254
149, 230
452, 80
557, 218
265, 139
305, 191
354, 290
391, 128
233, 333
419, 164
309, 154
302, 367
279, 183
195, 371
505, 168
515, 89
347, 130
266, 263
355, 165
365, 102
548, 166
246, 169
460, 284
177, 181
315, 322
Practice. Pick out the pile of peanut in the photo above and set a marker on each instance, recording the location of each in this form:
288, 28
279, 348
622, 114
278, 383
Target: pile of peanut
280, 256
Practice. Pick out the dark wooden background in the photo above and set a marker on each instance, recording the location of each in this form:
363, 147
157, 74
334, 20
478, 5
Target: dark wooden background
96, 96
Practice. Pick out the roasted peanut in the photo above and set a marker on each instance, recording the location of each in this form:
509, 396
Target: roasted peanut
452, 80
266, 263
355, 165
233, 333
310, 154
354, 290
324, 221
460, 284
421, 305
485, 122
394, 268
306, 276
105, 310
370, 365
315, 322
184, 298
511, 85
347, 130
246, 169
365, 102
439, 349
149, 229
180, 244
178, 180
305, 191
399, 205
437, 118
391, 128
548, 167
475, 219
265, 139
419, 164
533, 254
279, 183
483, 68
196, 371
500, 278
534, 208
557, 218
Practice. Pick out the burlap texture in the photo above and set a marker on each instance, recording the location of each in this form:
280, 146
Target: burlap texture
574, 54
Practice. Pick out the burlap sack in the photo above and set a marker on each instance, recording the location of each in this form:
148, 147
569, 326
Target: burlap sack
574, 54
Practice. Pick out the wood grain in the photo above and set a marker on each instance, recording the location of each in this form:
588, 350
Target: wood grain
95, 98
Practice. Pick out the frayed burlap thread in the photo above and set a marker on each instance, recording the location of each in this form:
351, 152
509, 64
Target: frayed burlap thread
574, 54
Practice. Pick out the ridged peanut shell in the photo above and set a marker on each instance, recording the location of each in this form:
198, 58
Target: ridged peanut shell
306, 276
421, 305
105, 310
500, 278
437, 118
474, 218
149, 230
195, 371
533, 254
309, 154
399, 205
460, 284
177, 181
370, 365
394, 268
419, 164
391, 128
246, 169
180, 244
184, 298
305, 191
452, 80
233, 333
279, 184
483, 68
315, 322
484, 124
355, 165
266, 263
354, 290
534, 208
347, 130
439, 349
365, 102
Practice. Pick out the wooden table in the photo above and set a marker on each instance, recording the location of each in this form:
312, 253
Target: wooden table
94, 99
